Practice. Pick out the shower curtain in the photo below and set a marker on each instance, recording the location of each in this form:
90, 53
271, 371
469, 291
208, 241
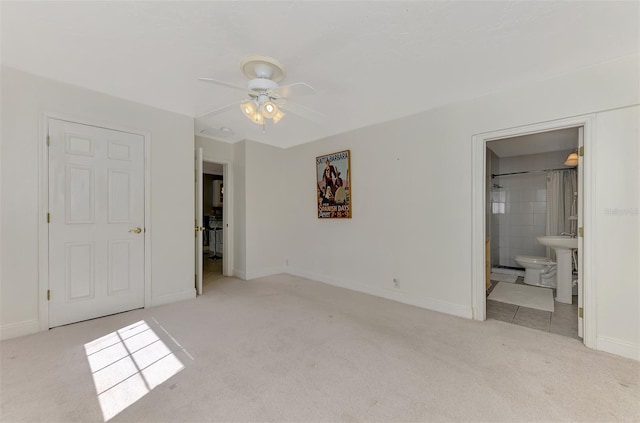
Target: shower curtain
562, 193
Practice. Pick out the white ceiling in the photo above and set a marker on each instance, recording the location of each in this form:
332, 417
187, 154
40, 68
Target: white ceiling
369, 61
542, 142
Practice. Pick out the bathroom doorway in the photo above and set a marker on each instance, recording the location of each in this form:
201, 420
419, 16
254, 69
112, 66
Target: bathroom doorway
523, 194
533, 193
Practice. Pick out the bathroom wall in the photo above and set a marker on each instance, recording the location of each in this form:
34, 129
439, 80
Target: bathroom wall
519, 207
491, 218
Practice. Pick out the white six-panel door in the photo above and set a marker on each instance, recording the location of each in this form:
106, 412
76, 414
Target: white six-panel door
96, 229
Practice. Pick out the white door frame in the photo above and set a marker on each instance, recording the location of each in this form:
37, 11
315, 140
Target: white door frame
43, 207
478, 174
199, 219
227, 213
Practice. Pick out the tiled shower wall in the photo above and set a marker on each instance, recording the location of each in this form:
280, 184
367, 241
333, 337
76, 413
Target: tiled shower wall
519, 208
492, 220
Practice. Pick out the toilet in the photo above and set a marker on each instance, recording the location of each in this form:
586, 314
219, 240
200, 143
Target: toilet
538, 271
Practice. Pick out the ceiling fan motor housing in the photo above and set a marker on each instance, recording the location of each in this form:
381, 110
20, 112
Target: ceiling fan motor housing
262, 67
262, 84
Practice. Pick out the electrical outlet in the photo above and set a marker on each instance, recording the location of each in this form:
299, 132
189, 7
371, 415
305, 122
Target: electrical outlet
396, 283
286, 262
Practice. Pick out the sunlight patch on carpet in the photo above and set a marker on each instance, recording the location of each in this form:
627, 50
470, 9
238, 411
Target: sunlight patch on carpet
127, 364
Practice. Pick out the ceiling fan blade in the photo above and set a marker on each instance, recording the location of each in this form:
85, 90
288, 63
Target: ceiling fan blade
304, 112
297, 89
219, 110
226, 84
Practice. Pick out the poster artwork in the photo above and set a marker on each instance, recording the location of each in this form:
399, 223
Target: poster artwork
333, 176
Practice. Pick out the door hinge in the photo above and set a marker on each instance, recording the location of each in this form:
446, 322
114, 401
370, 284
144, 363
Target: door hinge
48, 141
581, 232
48, 295
48, 217
581, 312
581, 151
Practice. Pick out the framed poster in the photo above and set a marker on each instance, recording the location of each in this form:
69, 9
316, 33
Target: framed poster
333, 177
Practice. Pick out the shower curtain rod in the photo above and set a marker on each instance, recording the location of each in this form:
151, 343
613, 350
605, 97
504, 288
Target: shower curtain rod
493, 175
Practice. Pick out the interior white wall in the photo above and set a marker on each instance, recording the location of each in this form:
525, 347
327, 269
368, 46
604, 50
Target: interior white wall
239, 210
615, 233
24, 100
412, 197
218, 151
266, 202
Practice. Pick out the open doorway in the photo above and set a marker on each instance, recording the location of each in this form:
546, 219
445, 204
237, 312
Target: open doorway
532, 201
516, 211
213, 221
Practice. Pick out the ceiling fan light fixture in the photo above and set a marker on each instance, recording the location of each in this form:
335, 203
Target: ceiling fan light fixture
278, 116
258, 118
249, 108
269, 109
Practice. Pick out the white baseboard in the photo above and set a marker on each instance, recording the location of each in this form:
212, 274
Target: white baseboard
187, 294
13, 330
399, 296
619, 347
267, 271
239, 274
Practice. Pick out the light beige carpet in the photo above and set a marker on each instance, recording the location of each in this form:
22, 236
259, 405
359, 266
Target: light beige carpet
523, 295
286, 349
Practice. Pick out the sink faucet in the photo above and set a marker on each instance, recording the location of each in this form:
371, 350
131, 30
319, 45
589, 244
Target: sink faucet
571, 234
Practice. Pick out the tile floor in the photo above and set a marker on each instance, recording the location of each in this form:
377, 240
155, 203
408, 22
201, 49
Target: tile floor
563, 321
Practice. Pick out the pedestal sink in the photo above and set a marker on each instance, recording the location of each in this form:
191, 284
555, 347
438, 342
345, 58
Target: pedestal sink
562, 246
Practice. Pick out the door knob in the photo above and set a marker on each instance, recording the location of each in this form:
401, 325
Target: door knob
135, 230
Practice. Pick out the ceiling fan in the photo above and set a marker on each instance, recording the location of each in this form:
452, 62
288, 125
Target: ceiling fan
266, 98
